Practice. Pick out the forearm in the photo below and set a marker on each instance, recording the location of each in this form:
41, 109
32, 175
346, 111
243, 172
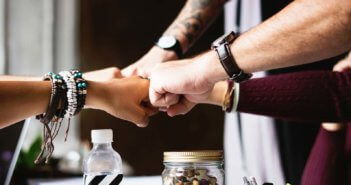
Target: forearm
307, 96
303, 32
193, 20
20, 100
19, 78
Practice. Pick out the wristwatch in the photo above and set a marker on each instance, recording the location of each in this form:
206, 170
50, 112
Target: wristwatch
221, 46
170, 43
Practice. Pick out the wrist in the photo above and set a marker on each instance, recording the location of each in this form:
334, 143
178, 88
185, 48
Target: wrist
164, 55
96, 92
211, 67
218, 93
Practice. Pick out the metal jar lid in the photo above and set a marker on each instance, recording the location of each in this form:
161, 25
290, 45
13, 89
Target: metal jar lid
193, 156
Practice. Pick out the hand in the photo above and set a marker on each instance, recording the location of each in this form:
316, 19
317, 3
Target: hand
216, 97
103, 74
144, 66
342, 65
125, 98
193, 78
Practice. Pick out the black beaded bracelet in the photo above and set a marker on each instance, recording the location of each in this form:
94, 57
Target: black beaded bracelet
81, 85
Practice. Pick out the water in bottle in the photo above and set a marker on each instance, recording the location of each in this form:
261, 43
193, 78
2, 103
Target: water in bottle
103, 165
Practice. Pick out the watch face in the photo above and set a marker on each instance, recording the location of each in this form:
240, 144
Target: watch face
166, 42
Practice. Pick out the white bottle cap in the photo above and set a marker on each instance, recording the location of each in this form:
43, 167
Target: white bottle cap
102, 136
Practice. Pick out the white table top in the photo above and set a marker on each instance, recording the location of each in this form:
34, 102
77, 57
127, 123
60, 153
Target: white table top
147, 180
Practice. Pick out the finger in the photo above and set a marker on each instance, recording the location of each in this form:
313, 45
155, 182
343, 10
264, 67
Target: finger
150, 110
129, 71
163, 109
171, 99
155, 97
137, 115
164, 100
142, 73
181, 108
341, 66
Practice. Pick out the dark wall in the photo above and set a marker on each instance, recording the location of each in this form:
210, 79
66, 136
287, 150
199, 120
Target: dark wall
117, 33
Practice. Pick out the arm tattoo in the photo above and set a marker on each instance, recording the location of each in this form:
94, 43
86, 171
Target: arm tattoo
195, 18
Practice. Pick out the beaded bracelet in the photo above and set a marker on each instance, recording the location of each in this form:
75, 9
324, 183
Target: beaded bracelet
71, 93
51, 122
81, 90
67, 99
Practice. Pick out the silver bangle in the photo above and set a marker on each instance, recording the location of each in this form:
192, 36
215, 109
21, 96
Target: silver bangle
236, 96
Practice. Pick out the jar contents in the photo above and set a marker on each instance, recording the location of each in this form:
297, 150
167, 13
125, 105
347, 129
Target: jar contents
190, 177
193, 168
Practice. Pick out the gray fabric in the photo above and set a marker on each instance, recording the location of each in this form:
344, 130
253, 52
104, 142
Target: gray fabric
258, 155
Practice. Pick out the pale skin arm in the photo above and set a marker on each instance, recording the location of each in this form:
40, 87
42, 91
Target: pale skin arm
122, 98
304, 32
195, 17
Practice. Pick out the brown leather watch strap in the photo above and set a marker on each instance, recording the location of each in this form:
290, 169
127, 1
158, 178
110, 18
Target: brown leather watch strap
221, 46
229, 64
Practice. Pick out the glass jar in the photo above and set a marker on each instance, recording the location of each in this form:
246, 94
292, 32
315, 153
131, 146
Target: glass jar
193, 168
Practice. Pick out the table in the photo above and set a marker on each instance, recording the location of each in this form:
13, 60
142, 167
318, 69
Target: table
142, 180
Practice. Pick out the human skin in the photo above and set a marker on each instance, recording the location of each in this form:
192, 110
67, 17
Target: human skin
299, 34
217, 95
125, 98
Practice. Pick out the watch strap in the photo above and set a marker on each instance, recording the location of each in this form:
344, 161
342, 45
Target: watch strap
229, 64
177, 48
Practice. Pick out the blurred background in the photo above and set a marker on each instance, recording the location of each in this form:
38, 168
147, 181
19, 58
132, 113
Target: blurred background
37, 36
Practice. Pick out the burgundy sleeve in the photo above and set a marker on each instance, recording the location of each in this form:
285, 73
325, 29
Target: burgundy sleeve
304, 96
327, 162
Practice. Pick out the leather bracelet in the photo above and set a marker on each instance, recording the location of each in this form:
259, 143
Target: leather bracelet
56, 82
228, 99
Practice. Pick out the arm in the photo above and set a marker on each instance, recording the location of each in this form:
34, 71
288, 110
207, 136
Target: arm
303, 32
326, 163
309, 96
22, 99
122, 98
304, 96
192, 21
18, 78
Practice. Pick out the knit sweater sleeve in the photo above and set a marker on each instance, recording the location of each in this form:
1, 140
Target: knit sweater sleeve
304, 96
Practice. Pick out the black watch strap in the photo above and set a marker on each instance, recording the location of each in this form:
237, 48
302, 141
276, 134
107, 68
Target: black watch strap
175, 45
177, 49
